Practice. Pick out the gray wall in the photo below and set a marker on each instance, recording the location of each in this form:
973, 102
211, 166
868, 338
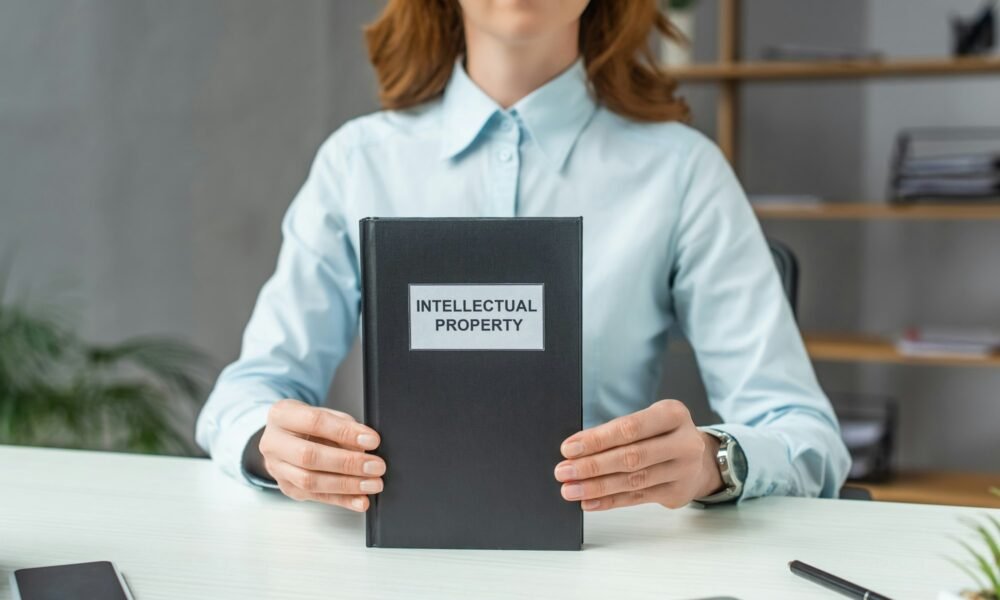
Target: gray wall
149, 149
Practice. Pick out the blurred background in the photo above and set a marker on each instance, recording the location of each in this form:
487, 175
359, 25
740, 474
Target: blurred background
149, 149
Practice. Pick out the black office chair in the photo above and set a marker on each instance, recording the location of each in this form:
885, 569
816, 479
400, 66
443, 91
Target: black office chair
788, 271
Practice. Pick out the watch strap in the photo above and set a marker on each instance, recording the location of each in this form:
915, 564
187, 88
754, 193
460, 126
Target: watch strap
733, 489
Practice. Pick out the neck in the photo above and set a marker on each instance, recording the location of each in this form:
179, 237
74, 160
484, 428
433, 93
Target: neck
508, 72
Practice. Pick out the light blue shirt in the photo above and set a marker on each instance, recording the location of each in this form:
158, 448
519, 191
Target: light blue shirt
668, 237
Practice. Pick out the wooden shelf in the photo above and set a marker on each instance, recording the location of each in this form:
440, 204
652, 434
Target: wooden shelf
862, 348
855, 348
838, 211
937, 487
776, 70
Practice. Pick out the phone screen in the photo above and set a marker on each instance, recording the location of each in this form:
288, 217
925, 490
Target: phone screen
90, 581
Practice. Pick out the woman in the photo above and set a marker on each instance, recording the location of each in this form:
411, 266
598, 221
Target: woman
540, 108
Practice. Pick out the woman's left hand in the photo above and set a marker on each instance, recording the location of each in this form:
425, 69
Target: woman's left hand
653, 455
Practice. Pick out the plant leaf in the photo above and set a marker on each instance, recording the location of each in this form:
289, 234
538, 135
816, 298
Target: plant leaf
996, 525
980, 583
995, 521
991, 544
984, 566
29, 344
682, 4
6, 267
56, 390
177, 365
140, 411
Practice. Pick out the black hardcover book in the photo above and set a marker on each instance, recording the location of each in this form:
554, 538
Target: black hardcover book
473, 377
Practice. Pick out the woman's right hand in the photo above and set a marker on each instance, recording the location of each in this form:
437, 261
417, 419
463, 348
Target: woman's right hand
319, 454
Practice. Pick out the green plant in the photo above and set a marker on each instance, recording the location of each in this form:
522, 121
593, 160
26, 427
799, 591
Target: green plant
985, 567
58, 390
682, 4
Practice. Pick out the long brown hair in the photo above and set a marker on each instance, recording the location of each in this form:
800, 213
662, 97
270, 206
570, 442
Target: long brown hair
414, 44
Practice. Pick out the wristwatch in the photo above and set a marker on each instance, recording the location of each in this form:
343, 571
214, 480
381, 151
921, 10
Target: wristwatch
732, 467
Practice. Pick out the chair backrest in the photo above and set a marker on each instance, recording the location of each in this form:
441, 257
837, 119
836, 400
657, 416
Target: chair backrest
851, 492
788, 271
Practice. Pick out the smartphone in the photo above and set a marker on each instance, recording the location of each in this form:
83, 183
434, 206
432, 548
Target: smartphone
84, 581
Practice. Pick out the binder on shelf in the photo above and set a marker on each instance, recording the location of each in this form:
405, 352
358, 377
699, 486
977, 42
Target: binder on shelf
471, 331
946, 164
868, 427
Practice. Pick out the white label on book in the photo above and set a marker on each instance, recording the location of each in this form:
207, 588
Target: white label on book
477, 317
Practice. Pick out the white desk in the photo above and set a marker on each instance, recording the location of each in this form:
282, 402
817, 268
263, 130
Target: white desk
178, 529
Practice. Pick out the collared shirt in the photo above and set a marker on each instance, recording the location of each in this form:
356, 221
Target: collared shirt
669, 237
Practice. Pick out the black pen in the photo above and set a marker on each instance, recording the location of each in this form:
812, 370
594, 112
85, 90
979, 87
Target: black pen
832, 582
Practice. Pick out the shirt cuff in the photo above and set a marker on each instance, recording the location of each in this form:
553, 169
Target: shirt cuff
254, 465
229, 451
767, 460
255, 481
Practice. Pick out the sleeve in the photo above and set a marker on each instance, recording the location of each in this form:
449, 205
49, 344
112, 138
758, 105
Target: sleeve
730, 304
302, 326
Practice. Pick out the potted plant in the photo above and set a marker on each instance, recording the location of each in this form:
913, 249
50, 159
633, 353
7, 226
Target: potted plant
58, 390
674, 53
984, 566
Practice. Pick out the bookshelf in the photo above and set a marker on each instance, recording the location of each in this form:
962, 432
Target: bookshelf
843, 211
866, 348
844, 347
775, 70
729, 73
937, 487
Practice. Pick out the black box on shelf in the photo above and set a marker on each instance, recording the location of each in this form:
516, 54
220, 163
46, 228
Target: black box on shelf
868, 428
946, 164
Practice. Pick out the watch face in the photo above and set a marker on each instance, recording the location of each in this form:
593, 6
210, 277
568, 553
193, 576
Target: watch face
738, 462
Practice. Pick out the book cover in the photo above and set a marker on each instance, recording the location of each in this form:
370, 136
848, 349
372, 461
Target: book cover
471, 331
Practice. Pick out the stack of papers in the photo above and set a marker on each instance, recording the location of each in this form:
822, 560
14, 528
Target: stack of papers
866, 441
926, 341
958, 176
942, 187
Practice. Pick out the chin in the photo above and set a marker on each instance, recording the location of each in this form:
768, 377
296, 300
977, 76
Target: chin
521, 27
523, 20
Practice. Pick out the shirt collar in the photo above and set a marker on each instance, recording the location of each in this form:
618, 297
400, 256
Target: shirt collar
554, 114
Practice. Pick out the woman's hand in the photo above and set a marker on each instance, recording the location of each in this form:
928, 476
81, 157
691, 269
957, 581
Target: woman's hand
653, 455
318, 454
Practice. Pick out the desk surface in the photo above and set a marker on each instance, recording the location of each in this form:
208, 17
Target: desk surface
179, 529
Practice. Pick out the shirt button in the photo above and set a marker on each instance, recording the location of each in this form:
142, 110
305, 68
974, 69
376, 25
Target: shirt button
505, 155
505, 125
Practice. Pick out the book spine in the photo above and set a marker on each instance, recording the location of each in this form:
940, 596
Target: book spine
369, 339
578, 282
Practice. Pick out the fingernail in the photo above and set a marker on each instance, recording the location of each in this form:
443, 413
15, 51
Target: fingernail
367, 440
372, 486
590, 504
572, 449
572, 491
358, 504
566, 473
373, 467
